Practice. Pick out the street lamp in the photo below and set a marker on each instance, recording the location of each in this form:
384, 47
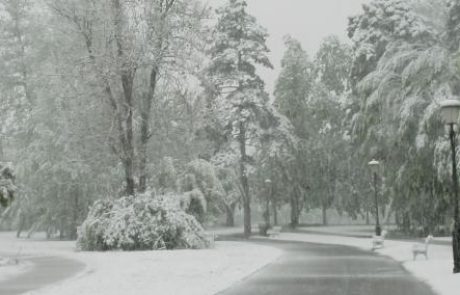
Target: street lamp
450, 110
268, 183
374, 165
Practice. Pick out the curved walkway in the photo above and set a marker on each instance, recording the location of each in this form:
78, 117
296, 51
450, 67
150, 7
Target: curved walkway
313, 269
45, 271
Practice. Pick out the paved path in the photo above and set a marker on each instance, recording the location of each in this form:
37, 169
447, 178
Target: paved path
313, 269
45, 271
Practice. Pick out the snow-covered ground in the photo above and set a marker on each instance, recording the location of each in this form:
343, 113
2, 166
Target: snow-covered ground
10, 267
179, 272
436, 271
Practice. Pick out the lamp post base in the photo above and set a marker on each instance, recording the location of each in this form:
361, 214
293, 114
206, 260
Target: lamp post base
456, 248
378, 230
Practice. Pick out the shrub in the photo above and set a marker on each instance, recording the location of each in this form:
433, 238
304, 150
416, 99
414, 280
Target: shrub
7, 187
194, 203
140, 223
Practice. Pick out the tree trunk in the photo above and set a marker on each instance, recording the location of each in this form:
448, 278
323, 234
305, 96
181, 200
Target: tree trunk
129, 176
324, 211
294, 209
275, 212
75, 215
230, 212
406, 223
145, 130
294, 219
22, 222
368, 221
397, 220
62, 233
244, 182
127, 75
127, 82
267, 210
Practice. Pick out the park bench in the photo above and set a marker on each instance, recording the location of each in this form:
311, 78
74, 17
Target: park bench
211, 237
274, 231
421, 248
378, 241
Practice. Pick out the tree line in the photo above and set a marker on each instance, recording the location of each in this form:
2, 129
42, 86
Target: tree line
104, 99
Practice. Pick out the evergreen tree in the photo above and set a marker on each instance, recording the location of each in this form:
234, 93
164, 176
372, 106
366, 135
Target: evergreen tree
238, 49
453, 25
332, 64
294, 85
292, 91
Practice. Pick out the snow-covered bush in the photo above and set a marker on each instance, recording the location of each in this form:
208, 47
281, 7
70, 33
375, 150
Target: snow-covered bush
200, 176
194, 203
7, 187
140, 223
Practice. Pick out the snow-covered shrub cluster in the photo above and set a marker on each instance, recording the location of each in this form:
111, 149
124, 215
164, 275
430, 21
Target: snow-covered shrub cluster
140, 223
7, 187
194, 203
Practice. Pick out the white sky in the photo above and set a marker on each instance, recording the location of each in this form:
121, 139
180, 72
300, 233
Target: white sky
309, 21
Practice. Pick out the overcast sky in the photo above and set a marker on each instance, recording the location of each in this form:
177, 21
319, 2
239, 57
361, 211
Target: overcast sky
309, 21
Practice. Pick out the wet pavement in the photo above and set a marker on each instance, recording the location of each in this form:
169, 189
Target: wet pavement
313, 269
45, 271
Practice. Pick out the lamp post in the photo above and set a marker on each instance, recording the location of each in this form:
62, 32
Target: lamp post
450, 110
268, 184
374, 165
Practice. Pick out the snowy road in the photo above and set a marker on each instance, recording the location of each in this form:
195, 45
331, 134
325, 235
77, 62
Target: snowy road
45, 271
313, 269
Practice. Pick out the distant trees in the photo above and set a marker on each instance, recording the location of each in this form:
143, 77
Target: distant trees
114, 98
292, 91
311, 95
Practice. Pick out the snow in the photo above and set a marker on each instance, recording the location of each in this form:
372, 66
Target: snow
10, 268
178, 272
436, 271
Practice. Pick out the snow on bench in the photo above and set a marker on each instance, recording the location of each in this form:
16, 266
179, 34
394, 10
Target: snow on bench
274, 231
421, 248
211, 237
378, 241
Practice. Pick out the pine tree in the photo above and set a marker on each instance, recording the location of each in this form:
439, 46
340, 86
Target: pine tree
294, 84
382, 22
453, 25
332, 64
238, 49
292, 91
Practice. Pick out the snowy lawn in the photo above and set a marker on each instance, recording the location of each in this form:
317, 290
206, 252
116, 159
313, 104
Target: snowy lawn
178, 272
436, 271
10, 267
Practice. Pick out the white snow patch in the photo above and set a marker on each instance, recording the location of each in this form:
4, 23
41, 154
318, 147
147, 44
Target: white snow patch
10, 267
191, 272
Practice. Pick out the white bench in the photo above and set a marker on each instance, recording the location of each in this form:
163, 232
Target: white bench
211, 237
421, 248
378, 241
274, 231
